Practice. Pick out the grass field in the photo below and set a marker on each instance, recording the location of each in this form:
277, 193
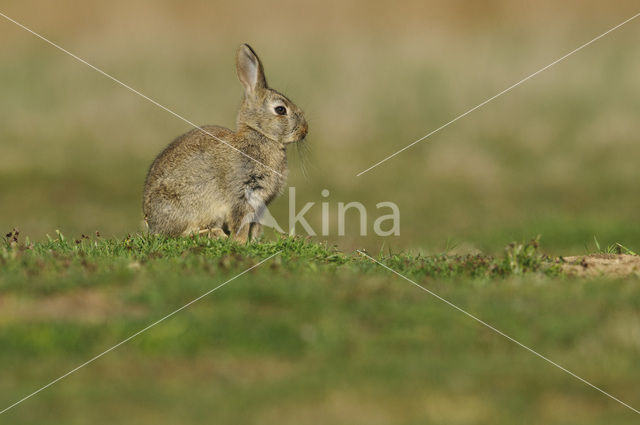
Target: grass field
312, 335
319, 333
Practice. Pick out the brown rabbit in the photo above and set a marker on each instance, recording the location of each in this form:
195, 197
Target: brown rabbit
214, 180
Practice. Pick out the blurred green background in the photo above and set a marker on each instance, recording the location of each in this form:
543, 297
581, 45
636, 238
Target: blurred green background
558, 156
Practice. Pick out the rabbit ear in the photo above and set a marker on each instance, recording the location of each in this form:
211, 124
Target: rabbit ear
250, 71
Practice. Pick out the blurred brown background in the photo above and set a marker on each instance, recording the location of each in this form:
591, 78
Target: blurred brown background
558, 156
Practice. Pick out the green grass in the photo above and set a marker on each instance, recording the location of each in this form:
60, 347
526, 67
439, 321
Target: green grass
312, 335
615, 248
89, 256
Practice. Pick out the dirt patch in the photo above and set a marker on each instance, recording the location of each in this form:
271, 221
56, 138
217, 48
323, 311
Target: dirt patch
335, 407
86, 306
610, 265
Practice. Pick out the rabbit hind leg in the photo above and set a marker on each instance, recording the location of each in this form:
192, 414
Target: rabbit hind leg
214, 233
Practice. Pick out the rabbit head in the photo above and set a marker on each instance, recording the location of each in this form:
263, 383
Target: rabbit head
263, 109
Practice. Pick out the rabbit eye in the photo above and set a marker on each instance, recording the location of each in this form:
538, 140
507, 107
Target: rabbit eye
280, 110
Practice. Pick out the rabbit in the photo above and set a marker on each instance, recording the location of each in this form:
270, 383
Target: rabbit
216, 181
